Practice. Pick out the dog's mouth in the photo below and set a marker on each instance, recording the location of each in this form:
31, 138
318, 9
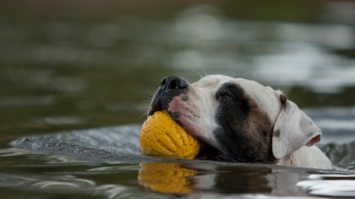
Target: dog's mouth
207, 152
162, 101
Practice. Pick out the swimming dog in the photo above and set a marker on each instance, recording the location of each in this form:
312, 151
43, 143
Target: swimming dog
241, 120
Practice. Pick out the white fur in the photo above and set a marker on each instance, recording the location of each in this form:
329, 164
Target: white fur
307, 157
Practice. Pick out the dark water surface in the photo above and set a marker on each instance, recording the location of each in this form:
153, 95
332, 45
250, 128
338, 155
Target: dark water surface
78, 76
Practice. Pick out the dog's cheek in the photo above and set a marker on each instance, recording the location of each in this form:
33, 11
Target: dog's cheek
222, 143
239, 135
225, 134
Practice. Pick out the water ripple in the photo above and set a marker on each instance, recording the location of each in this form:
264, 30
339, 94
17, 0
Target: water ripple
330, 185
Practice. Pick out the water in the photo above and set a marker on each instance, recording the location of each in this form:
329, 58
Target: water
80, 82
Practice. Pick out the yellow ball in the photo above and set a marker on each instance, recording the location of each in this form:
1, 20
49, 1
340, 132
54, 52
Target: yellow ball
162, 136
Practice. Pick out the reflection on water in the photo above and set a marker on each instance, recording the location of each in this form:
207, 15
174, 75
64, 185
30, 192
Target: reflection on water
166, 177
192, 179
116, 161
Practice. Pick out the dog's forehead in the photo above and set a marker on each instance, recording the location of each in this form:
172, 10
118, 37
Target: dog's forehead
265, 97
216, 81
212, 81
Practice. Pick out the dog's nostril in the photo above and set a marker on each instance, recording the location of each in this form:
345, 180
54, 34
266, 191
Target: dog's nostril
163, 82
172, 82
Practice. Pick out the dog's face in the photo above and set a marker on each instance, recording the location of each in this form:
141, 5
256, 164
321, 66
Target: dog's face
236, 119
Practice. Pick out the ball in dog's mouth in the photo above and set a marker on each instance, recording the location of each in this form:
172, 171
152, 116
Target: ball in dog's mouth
161, 136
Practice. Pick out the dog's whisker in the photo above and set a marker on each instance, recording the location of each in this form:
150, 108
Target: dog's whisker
144, 109
198, 73
202, 73
148, 94
235, 72
144, 115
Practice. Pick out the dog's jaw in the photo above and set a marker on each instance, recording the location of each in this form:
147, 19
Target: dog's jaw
185, 110
189, 113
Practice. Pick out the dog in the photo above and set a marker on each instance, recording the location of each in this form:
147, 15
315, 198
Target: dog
240, 120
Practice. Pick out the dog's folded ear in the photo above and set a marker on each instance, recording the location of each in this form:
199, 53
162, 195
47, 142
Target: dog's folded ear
293, 129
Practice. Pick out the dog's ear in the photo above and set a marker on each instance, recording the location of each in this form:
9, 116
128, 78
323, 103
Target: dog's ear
293, 129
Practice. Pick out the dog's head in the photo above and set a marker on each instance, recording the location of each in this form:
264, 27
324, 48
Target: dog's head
236, 119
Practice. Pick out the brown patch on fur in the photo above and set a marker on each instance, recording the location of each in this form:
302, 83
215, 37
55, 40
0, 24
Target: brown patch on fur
261, 129
276, 133
245, 131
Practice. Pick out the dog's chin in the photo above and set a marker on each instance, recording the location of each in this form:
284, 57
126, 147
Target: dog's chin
207, 152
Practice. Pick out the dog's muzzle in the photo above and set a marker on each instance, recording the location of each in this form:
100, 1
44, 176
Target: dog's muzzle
170, 87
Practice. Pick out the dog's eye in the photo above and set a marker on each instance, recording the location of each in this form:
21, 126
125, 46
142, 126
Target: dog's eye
225, 96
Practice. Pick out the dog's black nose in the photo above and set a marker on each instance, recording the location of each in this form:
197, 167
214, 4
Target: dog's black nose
172, 82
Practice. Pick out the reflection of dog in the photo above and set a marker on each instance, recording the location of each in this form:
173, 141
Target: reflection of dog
166, 177
181, 178
241, 120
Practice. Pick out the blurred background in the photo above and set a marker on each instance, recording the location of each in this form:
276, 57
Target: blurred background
83, 63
